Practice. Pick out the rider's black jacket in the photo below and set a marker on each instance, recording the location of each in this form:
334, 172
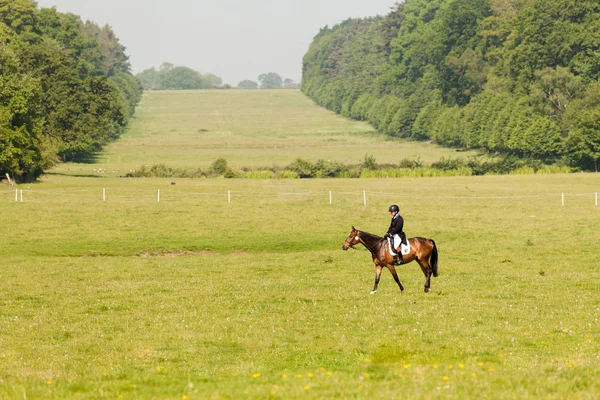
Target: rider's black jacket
396, 226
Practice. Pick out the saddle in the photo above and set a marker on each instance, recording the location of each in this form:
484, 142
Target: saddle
399, 243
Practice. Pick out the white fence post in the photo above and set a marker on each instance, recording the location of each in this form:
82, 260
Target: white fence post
563, 199
158, 196
596, 198
365, 197
16, 194
229, 196
330, 198
21, 195
103, 194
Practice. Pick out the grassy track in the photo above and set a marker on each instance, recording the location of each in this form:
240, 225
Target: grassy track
249, 129
196, 298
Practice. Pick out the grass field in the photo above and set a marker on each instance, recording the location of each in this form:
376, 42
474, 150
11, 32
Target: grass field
248, 128
193, 297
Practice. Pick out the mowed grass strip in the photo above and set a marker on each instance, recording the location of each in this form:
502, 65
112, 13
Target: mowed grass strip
195, 297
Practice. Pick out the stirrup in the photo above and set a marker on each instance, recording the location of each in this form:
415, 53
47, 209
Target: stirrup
398, 260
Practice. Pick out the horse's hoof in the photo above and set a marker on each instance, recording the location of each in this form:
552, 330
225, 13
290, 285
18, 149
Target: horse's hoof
373, 292
426, 290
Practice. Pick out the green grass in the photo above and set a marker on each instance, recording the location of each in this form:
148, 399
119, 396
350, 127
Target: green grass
261, 128
193, 297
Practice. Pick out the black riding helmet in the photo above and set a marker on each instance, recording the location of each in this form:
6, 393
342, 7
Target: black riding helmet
394, 207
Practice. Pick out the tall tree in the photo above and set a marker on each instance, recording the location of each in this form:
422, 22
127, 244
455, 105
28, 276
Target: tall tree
270, 80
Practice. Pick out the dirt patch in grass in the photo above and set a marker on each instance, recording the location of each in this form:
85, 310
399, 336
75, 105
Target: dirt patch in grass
147, 254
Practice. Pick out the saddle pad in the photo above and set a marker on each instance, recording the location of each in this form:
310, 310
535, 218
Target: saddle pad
404, 249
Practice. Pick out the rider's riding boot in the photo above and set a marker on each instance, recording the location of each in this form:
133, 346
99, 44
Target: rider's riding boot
398, 260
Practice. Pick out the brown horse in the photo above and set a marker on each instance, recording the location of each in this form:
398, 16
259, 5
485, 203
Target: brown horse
421, 249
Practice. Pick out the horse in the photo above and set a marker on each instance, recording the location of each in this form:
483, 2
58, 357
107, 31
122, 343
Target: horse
424, 251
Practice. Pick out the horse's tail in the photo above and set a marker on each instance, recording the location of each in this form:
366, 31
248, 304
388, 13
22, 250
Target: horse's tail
434, 258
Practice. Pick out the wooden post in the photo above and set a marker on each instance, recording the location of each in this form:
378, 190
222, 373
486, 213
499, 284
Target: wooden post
103, 194
330, 198
365, 197
158, 196
563, 199
229, 196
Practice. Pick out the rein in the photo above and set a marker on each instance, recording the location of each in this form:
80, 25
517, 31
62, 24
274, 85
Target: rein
372, 247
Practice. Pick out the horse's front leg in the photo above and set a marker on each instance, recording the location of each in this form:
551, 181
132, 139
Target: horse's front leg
395, 275
377, 277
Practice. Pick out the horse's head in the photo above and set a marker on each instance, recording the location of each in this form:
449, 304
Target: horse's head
352, 239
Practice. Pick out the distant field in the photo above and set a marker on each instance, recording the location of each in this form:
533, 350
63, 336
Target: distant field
256, 128
239, 289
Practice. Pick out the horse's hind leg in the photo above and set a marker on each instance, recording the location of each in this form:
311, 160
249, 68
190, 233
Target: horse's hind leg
427, 271
395, 275
377, 277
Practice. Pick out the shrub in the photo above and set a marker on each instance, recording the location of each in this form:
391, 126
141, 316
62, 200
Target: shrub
369, 162
408, 163
229, 173
219, 166
448, 164
287, 175
329, 169
304, 169
258, 175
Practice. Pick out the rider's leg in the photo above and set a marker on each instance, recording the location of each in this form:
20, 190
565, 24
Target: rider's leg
398, 259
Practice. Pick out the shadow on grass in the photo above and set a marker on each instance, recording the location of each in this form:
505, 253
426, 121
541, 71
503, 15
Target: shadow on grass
84, 158
73, 175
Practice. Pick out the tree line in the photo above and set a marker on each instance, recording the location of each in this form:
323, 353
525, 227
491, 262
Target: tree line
269, 80
517, 78
65, 88
169, 76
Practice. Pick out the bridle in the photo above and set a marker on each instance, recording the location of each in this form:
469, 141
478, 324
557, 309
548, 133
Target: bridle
360, 240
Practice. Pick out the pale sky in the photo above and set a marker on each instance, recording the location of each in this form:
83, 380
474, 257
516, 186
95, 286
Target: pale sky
234, 39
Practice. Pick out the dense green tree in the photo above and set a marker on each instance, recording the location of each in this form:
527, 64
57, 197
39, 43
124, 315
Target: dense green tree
247, 84
149, 78
212, 80
112, 54
270, 80
583, 144
60, 94
168, 76
514, 77
289, 83
181, 78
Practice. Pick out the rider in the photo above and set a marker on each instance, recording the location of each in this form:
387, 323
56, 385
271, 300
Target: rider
396, 229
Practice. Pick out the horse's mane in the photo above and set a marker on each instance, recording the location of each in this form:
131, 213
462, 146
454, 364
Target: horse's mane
371, 234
